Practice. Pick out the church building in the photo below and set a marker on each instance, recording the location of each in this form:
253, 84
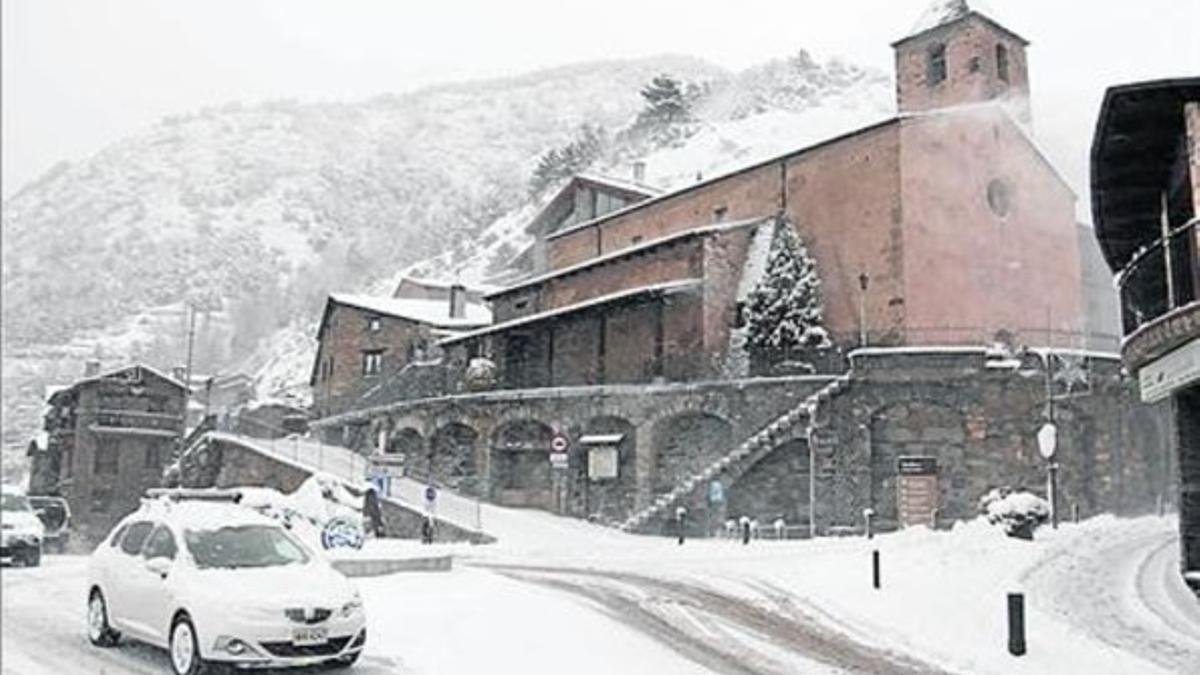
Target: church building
945, 224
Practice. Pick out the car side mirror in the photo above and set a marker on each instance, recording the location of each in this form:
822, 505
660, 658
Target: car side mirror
160, 566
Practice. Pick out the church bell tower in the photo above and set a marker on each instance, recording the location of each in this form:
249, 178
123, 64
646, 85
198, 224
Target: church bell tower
955, 55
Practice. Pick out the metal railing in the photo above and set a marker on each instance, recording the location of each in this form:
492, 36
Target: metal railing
1161, 277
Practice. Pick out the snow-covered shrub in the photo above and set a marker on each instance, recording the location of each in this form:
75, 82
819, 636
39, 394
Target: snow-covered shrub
1017, 511
481, 374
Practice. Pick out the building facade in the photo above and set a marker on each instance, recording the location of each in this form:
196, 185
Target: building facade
367, 342
109, 437
1146, 203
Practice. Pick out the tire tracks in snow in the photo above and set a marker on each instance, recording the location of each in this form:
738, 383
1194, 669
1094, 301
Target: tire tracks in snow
1120, 593
711, 627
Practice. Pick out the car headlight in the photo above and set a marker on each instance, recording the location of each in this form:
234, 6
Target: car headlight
352, 607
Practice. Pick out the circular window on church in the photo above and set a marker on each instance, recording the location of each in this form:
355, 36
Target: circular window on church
999, 197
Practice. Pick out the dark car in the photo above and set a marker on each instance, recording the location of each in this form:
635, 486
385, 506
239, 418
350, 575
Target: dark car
56, 517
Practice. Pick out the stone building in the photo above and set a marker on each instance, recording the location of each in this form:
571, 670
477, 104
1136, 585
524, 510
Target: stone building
367, 341
943, 235
945, 224
109, 436
1146, 206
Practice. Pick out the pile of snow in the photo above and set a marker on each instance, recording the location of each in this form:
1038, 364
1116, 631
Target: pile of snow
1017, 511
319, 499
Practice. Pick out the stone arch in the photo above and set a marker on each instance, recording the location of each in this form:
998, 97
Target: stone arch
685, 444
776, 486
408, 442
454, 449
520, 466
922, 428
609, 499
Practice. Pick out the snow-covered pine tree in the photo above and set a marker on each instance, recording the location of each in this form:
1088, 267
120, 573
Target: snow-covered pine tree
665, 101
784, 312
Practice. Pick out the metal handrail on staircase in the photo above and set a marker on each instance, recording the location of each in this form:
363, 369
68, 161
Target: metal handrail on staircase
806, 409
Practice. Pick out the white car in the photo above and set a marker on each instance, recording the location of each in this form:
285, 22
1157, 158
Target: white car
216, 583
21, 532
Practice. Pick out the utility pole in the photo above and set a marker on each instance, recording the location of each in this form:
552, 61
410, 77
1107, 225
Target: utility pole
187, 376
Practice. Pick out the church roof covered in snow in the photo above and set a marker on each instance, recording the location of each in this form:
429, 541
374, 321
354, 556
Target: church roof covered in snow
945, 12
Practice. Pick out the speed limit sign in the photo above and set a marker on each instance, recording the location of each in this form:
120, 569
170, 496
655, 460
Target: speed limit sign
559, 443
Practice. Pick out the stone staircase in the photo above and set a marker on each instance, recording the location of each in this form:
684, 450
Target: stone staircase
741, 458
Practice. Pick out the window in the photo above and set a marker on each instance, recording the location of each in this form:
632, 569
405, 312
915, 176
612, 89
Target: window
161, 544
975, 64
104, 462
637, 239
135, 536
935, 70
739, 315
1002, 63
152, 459
116, 538
374, 324
999, 197
719, 214
372, 362
521, 304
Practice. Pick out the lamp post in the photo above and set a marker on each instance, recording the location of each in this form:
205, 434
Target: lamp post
864, 280
1047, 438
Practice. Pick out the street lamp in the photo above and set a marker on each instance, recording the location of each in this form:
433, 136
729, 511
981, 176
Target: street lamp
863, 281
1047, 438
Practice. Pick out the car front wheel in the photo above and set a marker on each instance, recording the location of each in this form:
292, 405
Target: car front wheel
100, 633
185, 649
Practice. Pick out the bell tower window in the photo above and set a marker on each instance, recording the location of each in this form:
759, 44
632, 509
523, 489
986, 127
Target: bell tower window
1002, 63
935, 67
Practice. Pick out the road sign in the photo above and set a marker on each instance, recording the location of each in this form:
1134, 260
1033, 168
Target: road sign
917, 489
911, 465
716, 492
430, 494
1047, 438
559, 443
559, 460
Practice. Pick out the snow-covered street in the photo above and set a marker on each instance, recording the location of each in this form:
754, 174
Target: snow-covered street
1102, 597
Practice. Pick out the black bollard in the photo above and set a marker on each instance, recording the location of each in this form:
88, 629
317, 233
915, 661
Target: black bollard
1016, 624
680, 516
875, 568
1075, 512
745, 531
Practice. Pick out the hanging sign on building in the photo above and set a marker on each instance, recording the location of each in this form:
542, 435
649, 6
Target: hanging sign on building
1170, 373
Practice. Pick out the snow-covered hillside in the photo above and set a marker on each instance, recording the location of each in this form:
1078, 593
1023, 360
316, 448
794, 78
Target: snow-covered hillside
254, 213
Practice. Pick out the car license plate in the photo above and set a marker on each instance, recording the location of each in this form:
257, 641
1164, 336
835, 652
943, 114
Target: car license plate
310, 636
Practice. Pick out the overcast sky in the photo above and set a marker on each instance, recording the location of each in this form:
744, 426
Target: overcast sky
79, 74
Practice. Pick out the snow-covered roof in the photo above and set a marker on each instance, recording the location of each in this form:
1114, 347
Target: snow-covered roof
620, 183
721, 177
665, 287
110, 373
627, 251
446, 284
944, 12
432, 312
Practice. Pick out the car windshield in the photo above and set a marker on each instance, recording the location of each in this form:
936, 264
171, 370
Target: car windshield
243, 546
11, 502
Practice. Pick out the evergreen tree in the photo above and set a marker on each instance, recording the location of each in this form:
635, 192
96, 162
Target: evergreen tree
784, 311
559, 164
666, 102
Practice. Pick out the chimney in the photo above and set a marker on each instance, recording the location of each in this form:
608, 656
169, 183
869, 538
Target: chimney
179, 372
639, 172
91, 368
458, 301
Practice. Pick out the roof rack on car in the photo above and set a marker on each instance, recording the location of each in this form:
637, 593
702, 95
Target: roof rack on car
192, 494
